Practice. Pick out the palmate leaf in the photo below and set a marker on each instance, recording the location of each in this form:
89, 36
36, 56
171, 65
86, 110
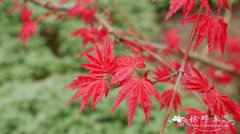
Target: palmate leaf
162, 72
88, 85
175, 5
187, 5
220, 2
166, 99
221, 104
125, 66
102, 62
137, 90
214, 29
197, 82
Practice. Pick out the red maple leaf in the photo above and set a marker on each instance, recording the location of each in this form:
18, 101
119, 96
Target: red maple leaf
26, 14
88, 85
87, 14
166, 99
137, 90
187, 8
220, 2
125, 66
76, 9
92, 34
221, 104
104, 61
219, 75
197, 82
162, 72
187, 5
214, 29
173, 40
28, 28
88, 35
175, 5
80, 10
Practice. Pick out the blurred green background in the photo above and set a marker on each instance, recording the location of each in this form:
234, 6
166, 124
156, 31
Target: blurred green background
32, 97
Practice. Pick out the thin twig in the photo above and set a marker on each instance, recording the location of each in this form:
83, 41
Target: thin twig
166, 77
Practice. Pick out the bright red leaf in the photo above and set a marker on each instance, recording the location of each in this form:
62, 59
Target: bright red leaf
28, 28
187, 5
125, 67
187, 8
197, 82
175, 5
214, 29
221, 104
26, 14
162, 72
220, 2
102, 61
88, 85
137, 90
173, 40
166, 99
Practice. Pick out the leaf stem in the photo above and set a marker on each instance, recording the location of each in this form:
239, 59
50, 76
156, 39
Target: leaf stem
181, 69
166, 77
139, 73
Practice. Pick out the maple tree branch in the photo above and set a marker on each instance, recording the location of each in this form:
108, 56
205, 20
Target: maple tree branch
181, 69
204, 60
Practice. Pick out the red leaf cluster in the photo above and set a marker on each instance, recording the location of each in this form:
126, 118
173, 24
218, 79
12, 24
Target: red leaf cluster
103, 68
92, 34
94, 83
188, 6
82, 11
29, 26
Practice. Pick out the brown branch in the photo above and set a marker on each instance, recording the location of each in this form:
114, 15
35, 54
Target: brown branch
204, 60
